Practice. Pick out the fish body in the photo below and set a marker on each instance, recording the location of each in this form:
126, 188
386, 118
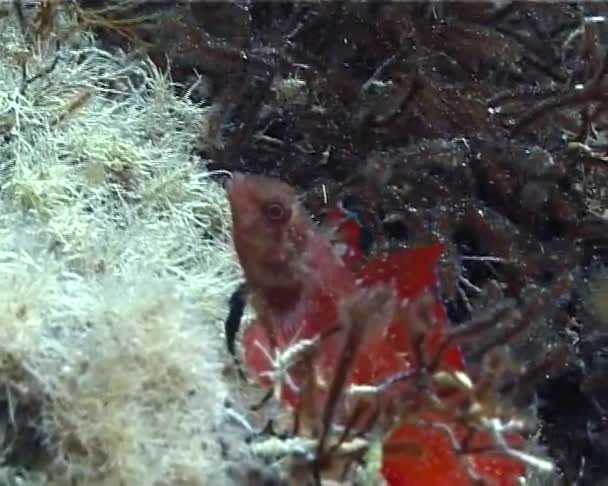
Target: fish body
297, 281
295, 276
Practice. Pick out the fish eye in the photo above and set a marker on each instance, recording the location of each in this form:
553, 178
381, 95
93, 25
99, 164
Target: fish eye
276, 212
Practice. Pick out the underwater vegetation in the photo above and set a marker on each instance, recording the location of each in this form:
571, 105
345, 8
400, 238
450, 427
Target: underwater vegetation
481, 126
115, 262
445, 320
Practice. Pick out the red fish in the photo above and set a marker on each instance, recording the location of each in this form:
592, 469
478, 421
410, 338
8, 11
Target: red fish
297, 282
288, 267
435, 463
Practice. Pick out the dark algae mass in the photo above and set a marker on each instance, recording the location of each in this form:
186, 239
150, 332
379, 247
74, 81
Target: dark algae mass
482, 125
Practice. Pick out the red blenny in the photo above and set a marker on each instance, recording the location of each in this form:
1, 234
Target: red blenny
297, 281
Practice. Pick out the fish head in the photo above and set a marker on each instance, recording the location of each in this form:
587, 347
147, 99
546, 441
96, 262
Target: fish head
269, 229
